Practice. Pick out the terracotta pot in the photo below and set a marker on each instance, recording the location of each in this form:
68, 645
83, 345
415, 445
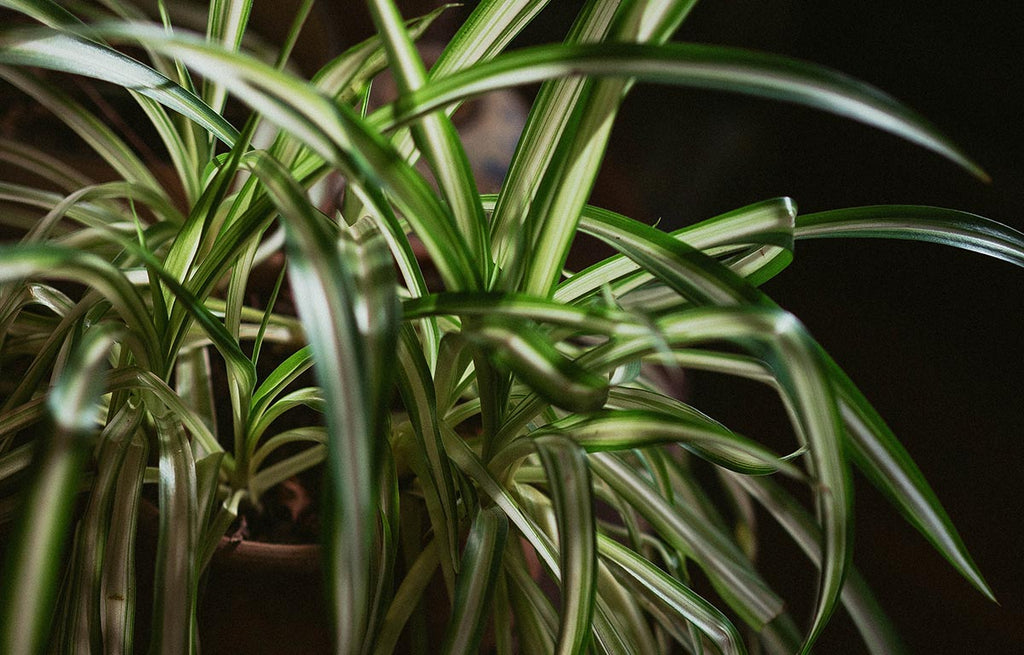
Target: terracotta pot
264, 598
255, 597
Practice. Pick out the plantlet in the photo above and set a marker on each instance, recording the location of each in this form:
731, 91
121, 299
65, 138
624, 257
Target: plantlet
484, 436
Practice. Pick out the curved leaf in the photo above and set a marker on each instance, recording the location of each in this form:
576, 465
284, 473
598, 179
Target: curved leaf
688, 64
731, 574
73, 54
674, 596
796, 362
916, 223
884, 460
19, 262
878, 634
873, 448
763, 230
532, 357
325, 294
625, 429
519, 307
98, 135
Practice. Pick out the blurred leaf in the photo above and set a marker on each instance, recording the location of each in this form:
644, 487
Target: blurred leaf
34, 559
48, 13
117, 586
326, 295
86, 600
406, 600
174, 627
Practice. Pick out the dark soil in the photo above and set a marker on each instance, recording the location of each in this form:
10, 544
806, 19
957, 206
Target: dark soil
289, 514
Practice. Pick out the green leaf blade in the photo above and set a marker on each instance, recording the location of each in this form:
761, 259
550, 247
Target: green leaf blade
474, 591
535, 360
569, 478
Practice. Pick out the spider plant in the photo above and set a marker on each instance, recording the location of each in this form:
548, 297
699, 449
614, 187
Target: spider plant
504, 429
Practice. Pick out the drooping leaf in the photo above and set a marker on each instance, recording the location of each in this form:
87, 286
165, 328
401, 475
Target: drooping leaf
625, 429
762, 232
878, 634
704, 66
529, 355
45, 261
73, 54
881, 457
98, 135
915, 223
732, 575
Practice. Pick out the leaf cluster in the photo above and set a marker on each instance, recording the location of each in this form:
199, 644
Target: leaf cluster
505, 428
